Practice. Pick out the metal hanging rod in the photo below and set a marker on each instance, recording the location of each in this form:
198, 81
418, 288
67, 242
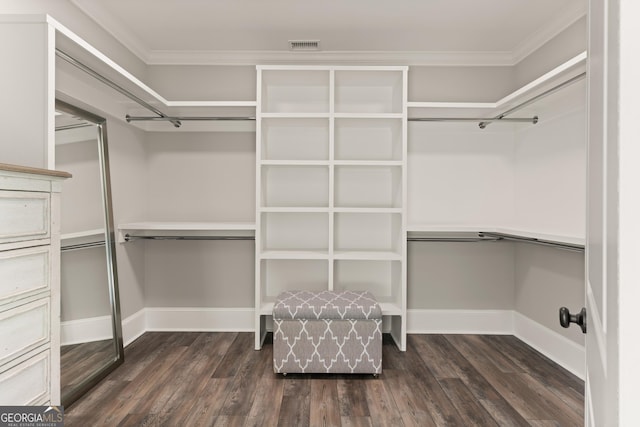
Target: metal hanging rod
130, 237
454, 239
186, 118
514, 238
82, 246
483, 124
76, 126
113, 85
533, 119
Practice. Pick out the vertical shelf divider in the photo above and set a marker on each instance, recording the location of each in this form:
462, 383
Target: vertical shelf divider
332, 97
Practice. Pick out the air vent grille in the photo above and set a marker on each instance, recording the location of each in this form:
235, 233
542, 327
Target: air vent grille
304, 45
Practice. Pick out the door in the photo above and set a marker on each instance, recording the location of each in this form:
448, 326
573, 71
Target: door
613, 234
601, 339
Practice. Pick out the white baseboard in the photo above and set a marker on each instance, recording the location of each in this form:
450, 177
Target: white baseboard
560, 349
200, 319
134, 326
86, 330
496, 322
565, 352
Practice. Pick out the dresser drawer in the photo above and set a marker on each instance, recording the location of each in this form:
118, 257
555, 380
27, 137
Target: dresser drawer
24, 328
27, 383
23, 272
25, 216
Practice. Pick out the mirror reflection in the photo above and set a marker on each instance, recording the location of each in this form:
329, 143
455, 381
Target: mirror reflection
90, 341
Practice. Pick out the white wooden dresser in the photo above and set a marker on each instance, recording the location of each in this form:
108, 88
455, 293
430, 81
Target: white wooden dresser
30, 285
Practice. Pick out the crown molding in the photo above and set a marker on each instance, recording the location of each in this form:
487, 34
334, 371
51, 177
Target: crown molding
561, 22
114, 27
330, 57
131, 41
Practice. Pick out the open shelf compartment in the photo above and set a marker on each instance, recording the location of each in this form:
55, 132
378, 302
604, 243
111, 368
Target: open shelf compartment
295, 91
377, 233
278, 275
360, 91
367, 139
382, 278
295, 231
368, 186
295, 186
295, 139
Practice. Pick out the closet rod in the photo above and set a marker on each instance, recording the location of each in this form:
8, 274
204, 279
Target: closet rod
533, 119
82, 246
76, 126
514, 238
130, 237
186, 118
112, 85
453, 239
483, 124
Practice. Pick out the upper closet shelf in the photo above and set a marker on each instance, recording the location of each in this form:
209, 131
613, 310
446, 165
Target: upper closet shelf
186, 231
73, 53
464, 232
571, 69
82, 239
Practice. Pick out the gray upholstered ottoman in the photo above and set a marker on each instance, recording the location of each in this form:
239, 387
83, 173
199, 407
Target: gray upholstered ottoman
327, 332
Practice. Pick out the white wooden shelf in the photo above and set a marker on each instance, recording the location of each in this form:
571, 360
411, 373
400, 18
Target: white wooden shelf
422, 230
295, 209
293, 254
174, 229
368, 162
377, 116
294, 162
563, 72
367, 255
82, 237
366, 210
295, 115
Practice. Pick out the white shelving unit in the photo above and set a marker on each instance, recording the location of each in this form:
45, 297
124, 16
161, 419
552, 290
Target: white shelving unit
331, 185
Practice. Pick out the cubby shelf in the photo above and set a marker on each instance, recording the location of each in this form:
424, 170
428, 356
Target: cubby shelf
331, 152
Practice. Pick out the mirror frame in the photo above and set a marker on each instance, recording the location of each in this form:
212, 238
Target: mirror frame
110, 249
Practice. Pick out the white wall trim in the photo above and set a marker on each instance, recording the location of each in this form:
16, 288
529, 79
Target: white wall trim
200, 319
250, 57
134, 326
86, 330
499, 322
565, 352
560, 349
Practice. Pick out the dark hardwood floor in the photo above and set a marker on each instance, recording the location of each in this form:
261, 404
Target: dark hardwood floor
77, 361
194, 379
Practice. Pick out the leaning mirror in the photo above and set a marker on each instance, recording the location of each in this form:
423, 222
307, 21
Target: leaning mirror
91, 332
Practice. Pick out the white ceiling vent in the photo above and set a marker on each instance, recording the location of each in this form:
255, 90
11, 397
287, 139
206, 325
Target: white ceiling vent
304, 45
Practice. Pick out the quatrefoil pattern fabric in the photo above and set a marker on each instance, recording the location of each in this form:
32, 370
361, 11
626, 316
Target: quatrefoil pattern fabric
342, 305
327, 332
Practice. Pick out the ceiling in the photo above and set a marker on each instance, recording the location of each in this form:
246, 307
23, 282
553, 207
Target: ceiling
166, 31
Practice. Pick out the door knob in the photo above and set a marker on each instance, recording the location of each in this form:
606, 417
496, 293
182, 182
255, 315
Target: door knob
567, 318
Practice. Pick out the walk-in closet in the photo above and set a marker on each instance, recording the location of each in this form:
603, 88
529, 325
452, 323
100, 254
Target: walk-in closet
459, 162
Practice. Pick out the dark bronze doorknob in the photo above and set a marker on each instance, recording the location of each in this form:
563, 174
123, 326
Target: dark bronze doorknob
579, 319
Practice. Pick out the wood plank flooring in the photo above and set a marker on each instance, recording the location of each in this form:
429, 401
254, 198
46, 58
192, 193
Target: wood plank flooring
78, 361
217, 379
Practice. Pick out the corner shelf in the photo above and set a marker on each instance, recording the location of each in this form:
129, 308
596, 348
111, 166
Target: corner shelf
82, 237
417, 230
